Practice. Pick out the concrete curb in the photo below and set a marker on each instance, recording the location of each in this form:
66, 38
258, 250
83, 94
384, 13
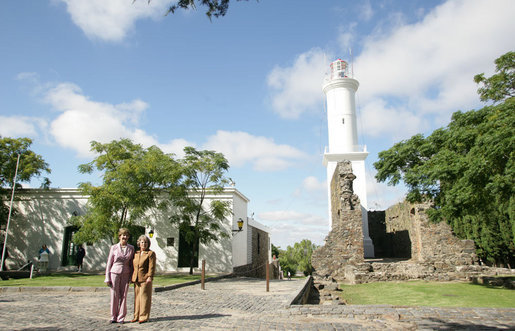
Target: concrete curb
194, 282
299, 297
10, 289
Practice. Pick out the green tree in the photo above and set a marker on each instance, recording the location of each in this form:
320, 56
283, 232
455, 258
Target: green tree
298, 257
201, 222
133, 178
501, 85
287, 261
467, 171
216, 8
275, 251
31, 165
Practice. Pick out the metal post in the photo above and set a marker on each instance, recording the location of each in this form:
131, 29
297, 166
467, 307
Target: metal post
268, 277
9, 217
203, 277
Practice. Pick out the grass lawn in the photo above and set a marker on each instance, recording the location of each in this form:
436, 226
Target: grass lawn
79, 280
436, 294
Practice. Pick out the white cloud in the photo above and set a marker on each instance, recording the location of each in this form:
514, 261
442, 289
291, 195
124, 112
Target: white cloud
289, 227
381, 196
312, 184
262, 152
112, 20
381, 119
412, 76
82, 120
312, 191
298, 89
365, 11
176, 146
346, 38
293, 216
21, 126
428, 66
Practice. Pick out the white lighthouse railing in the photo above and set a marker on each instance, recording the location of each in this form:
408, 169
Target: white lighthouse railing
355, 149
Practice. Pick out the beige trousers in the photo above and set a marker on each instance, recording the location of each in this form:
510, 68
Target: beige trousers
142, 300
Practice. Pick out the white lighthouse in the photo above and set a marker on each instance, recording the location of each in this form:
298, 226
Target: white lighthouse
340, 90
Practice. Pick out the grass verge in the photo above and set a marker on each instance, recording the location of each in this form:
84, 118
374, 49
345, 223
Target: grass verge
84, 280
436, 294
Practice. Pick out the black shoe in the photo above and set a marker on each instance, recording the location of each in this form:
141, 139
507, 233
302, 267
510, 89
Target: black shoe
111, 322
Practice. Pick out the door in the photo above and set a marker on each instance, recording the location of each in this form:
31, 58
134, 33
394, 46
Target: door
69, 250
185, 251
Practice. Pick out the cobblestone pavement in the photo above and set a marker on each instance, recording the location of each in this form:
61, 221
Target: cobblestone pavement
237, 304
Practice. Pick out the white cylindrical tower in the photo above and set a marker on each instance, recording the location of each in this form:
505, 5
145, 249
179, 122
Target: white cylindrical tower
340, 90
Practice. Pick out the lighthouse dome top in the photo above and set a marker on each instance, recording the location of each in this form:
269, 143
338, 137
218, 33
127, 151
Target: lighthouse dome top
340, 69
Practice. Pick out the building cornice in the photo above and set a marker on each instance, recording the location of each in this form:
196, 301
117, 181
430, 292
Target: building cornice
52, 193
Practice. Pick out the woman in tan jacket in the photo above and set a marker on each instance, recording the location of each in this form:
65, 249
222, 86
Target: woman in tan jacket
144, 268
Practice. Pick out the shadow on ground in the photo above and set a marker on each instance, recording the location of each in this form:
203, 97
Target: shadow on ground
188, 317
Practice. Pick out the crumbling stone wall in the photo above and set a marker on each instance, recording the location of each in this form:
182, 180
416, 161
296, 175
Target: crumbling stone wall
426, 241
430, 250
344, 243
404, 229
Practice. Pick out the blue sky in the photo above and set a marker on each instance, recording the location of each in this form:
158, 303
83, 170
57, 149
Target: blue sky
247, 84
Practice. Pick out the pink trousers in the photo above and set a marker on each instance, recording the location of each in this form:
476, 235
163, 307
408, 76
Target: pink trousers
119, 292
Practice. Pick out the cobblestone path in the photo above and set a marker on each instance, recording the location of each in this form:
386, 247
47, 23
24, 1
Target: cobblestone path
231, 304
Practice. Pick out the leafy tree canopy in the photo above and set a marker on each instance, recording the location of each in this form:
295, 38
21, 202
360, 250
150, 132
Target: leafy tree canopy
467, 170
501, 85
133, 177
31, 165
297, 257
216, 8
275, 251
204, 173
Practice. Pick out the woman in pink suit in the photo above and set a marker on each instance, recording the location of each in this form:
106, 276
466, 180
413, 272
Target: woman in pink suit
118, 274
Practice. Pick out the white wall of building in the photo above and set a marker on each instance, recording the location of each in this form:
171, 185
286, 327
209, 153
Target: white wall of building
240, 247
43, 217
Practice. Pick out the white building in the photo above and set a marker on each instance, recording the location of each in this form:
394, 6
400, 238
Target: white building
340, 90
43, 217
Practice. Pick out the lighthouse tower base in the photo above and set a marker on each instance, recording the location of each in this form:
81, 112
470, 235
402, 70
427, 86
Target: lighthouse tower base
357, 160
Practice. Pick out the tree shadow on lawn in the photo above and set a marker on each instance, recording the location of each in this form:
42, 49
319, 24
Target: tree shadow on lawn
496, 282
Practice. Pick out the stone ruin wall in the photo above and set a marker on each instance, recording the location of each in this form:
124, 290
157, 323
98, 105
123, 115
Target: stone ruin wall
406, 227
430, 242
431, 251
344, 243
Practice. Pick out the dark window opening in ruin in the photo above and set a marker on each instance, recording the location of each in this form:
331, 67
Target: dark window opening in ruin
393, 244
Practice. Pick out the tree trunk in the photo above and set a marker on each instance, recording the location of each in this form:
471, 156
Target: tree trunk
192, 258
